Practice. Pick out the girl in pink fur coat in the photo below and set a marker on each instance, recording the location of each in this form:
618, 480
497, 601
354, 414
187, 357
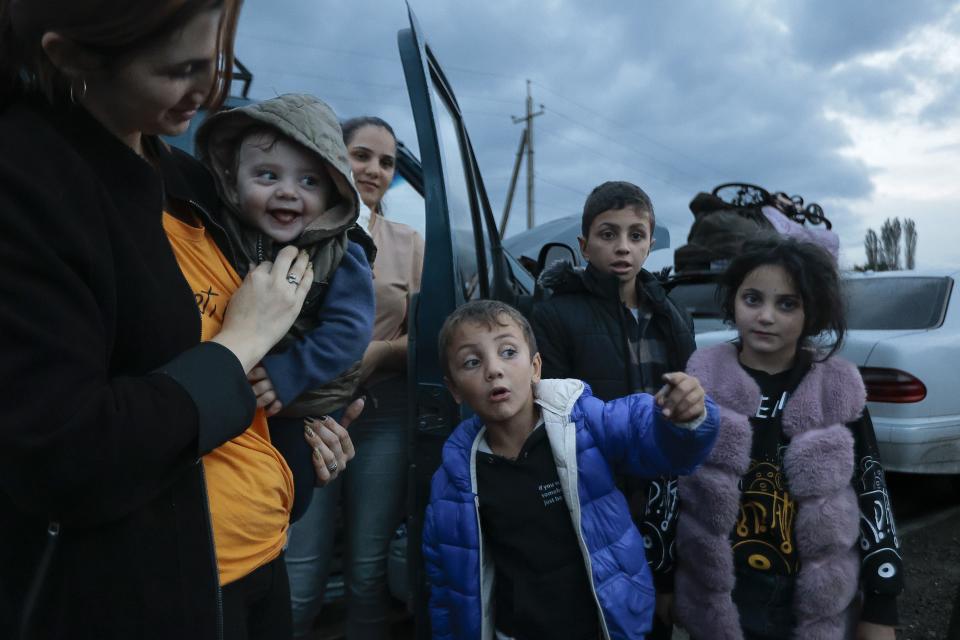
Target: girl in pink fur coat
786, 531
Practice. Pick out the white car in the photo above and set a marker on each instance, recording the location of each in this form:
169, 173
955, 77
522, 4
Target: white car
904, 334
905, 337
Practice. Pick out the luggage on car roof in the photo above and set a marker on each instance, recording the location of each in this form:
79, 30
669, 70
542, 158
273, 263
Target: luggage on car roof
735, 212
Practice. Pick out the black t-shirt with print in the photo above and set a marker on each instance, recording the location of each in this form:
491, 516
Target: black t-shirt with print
541, 589
763, 538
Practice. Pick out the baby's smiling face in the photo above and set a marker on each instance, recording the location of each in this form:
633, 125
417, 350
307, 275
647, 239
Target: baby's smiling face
282, 187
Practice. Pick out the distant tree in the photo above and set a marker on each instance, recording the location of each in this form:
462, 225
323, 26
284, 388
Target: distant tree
910, 243
890, 234
872, 246
883, 251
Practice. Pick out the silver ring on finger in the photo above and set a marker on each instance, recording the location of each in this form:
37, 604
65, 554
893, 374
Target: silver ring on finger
332, 467
292, 279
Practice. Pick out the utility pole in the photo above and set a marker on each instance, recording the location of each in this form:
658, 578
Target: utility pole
528, 139
513, 183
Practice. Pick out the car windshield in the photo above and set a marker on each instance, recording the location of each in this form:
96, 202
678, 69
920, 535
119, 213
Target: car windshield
896, 303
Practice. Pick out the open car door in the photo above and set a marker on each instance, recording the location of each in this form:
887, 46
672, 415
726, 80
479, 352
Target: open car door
463, 260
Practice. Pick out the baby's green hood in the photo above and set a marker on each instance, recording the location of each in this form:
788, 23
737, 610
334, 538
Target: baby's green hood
304, 119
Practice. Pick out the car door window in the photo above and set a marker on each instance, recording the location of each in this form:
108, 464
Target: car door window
459, 195
403, 203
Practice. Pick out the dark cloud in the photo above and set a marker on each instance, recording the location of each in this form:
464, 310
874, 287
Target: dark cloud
826, 32
677, 99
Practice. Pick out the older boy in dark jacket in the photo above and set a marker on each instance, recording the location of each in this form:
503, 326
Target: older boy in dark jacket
613, 326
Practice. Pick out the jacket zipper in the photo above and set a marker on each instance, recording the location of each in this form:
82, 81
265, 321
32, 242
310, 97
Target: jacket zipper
483, 615
39, 578
575, 495
484, 621
213, 550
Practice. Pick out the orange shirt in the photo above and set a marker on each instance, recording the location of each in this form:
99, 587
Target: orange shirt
249, 485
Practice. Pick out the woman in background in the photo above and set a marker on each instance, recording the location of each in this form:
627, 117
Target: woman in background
373, 488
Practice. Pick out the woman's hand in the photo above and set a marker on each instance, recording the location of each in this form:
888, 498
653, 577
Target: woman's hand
332, 446
871, 631
264, 307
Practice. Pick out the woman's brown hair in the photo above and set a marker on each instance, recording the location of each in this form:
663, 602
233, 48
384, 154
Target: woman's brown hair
112, 29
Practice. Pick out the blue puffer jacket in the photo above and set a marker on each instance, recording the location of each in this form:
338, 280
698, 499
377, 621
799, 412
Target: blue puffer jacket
591, 441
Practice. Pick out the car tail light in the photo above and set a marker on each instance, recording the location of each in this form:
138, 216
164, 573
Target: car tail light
892, 385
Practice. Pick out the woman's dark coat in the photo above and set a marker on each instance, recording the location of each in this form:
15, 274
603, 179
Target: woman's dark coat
109, 399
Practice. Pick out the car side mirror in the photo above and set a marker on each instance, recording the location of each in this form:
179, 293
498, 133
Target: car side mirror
554, 252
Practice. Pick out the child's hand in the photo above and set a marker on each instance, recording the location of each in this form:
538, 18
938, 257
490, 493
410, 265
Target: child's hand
263, 389
681, 399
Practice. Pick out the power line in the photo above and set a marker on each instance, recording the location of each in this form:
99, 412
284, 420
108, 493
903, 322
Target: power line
480, 73
564, 116
376, 85
627, 129
363, 54
488, 114
622, 127
305, 45
665, 181
671, 216
629, 148
460, 94
323, 76
372, 104
561, 186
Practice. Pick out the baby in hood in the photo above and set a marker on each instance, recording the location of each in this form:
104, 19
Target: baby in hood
283, 176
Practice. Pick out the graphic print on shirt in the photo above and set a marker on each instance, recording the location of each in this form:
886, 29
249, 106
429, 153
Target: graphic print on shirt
550, 493
660, 520
878, 533
207, 304
763, 536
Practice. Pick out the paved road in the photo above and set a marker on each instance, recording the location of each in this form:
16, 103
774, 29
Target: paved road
915, 497
927, 512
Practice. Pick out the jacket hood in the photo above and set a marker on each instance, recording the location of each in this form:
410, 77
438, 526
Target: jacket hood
562, 277
306, 120
559, 395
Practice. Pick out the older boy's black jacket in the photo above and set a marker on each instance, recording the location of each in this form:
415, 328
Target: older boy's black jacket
109, 399
581, 329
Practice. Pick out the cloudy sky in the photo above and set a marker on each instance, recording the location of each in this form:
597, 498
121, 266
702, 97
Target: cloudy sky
853, 104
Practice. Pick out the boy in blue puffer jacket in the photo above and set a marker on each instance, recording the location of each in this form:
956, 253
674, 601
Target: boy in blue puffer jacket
526, 535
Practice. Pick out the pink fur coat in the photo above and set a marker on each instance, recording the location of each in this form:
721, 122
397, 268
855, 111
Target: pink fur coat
818, 465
